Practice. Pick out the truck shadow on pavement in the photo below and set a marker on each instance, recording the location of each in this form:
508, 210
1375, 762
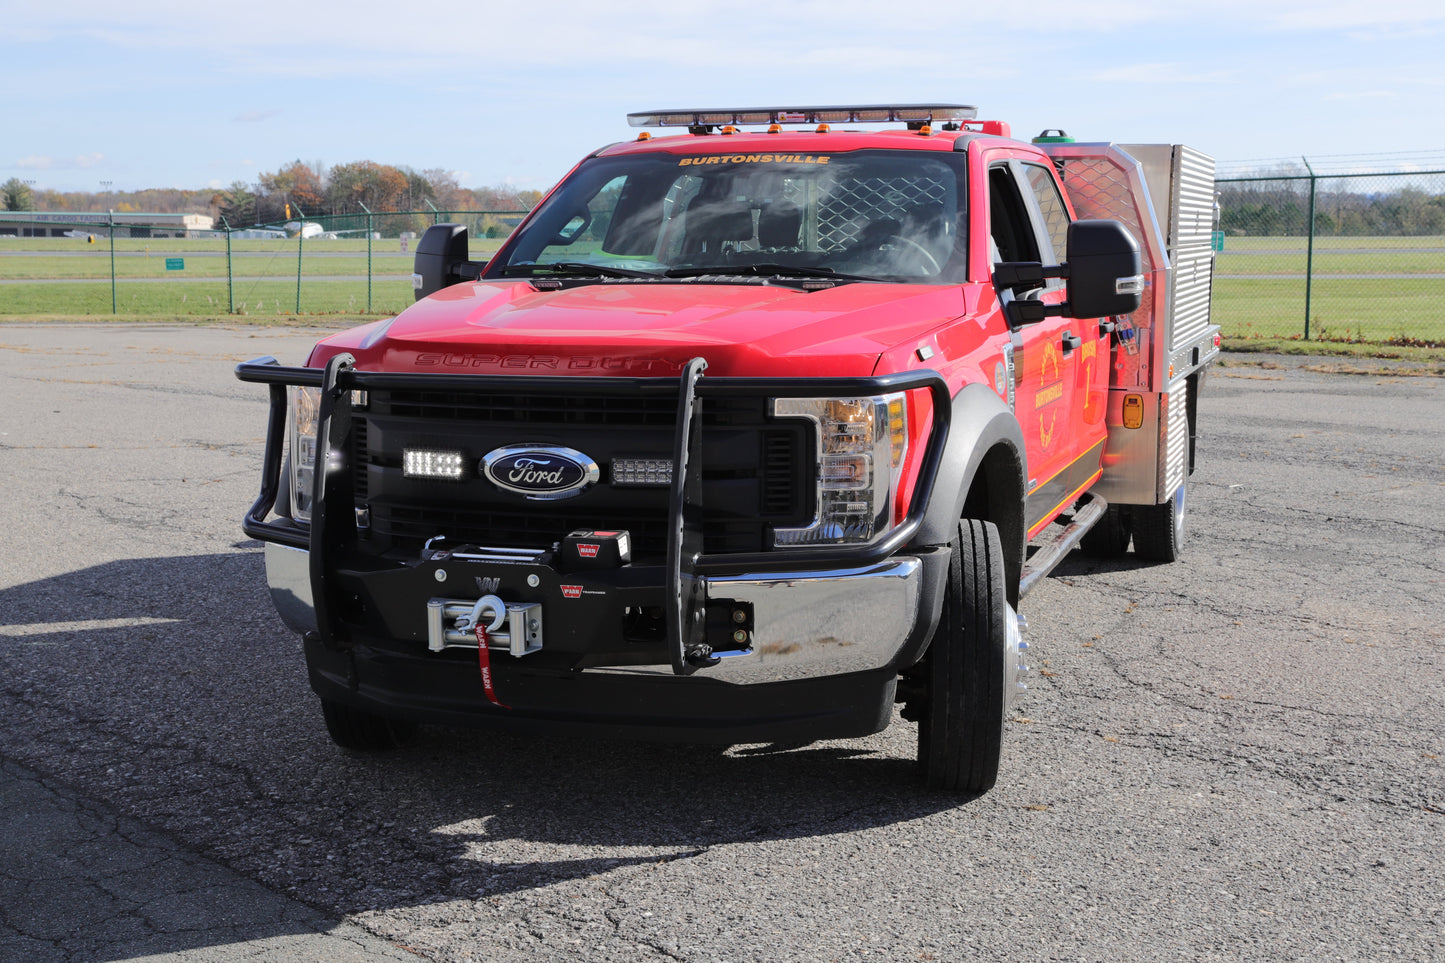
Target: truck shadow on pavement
166, 689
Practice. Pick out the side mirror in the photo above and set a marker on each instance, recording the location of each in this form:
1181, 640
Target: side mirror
1105, 272
441, 260
1103, 276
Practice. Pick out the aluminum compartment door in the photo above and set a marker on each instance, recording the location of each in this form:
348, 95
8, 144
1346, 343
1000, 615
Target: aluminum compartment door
1191, 228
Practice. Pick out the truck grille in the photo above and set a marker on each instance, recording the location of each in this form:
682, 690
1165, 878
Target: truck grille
755, 475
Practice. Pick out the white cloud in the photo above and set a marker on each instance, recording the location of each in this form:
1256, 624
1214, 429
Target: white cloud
1159, 73
1362, 95
1418, 15
41, 162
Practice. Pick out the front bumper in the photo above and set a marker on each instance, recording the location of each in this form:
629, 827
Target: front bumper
804, 624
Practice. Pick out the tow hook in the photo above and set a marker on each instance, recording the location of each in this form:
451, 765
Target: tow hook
512, 627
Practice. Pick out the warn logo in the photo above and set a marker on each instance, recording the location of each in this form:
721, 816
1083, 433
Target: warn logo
587, 550
571, 591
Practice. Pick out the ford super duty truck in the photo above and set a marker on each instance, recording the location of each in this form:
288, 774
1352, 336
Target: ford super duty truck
746, 434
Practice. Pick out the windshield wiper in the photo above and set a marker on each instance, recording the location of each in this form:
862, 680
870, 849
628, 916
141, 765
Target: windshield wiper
765, 270
582, 268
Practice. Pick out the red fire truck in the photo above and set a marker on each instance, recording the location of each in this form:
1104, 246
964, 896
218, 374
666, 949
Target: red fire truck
746, 434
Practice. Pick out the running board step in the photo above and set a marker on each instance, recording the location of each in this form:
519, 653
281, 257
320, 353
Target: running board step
1051, 545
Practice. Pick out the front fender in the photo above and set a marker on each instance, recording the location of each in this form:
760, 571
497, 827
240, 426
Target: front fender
983, 474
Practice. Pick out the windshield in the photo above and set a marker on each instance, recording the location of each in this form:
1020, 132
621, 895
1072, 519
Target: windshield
870, 215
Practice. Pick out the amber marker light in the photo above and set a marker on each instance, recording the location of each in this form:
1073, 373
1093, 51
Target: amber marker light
1133, 411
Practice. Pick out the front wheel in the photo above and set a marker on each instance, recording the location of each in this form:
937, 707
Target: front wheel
970, 670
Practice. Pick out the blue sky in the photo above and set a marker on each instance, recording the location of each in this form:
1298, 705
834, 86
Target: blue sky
166, 94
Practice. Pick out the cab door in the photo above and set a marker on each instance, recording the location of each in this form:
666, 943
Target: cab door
1057, 360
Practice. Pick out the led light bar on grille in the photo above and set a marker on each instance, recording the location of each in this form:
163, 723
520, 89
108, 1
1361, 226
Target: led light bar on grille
642, 471
870, 114
427, 463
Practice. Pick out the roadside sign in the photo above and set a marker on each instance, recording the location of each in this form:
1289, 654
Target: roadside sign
1217, 241
175, 264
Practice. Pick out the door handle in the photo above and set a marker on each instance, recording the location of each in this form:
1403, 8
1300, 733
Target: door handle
1070, 342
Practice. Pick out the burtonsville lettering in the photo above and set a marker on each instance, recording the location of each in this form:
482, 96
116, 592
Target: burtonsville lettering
755, 159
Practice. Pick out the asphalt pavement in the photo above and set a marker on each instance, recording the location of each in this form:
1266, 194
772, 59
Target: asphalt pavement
1234, 757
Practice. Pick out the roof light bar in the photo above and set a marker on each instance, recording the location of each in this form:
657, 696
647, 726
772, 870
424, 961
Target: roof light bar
869, 114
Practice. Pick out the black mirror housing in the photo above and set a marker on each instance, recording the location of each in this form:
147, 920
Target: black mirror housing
1105, 270
441, 259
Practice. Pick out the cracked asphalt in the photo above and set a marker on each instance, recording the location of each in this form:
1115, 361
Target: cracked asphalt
1235, 757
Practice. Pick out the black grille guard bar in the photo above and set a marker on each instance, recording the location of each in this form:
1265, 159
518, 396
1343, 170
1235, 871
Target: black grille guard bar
333, 521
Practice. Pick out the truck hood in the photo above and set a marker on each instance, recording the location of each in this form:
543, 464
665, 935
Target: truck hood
651, 329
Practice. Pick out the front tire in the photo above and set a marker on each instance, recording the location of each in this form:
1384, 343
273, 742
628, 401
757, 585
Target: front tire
966, 671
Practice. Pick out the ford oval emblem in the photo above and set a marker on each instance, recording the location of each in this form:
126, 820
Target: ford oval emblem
542, 472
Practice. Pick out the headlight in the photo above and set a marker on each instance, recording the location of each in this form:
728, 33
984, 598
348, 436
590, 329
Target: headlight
305, 410
861, 447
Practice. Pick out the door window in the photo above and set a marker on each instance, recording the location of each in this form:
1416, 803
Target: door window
1051, 207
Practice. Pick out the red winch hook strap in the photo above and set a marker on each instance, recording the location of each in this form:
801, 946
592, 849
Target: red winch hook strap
484, 656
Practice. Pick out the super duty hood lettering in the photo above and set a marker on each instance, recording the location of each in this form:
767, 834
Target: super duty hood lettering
598, 364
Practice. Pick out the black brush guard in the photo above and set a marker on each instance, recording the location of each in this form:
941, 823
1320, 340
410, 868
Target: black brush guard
333, 531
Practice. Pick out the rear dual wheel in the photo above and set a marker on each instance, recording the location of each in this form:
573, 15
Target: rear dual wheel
1159, 529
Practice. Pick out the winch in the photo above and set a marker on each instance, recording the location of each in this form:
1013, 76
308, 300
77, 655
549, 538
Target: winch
512, 627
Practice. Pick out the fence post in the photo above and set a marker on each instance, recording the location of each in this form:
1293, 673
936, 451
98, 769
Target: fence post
300, 243
436, 215
368, 256
1310, 250
110, 217
230, 274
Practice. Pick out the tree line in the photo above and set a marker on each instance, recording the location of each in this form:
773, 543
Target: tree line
1282, 209
295, 191
345, 192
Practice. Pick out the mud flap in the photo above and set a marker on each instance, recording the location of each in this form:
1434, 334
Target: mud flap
686, 616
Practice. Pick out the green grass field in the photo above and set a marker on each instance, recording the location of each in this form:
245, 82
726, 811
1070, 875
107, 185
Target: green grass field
263, 277
253, 296
1244, 256
1364, 309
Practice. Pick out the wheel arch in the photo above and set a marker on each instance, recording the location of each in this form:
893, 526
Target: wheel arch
983, 474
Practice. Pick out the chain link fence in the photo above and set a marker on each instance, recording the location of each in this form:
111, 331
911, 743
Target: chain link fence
1354, 257
91, 264
1348, 256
